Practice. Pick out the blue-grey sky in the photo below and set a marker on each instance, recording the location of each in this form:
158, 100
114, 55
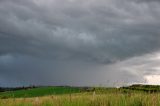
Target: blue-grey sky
79, 42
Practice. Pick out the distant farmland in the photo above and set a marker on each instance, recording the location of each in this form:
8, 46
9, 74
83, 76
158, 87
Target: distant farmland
39, 91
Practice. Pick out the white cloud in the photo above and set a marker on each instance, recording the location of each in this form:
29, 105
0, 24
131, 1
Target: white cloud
143, 69
152, 79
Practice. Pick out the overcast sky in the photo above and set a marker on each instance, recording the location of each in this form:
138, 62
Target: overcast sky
79, 42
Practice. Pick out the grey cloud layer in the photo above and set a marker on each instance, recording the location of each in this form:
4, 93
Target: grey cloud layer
97, 29
93, 31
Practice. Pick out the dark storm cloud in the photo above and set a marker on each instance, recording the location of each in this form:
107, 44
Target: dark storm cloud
89, 33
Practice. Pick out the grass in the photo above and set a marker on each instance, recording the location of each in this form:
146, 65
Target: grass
66, 96
41, 91
87, 99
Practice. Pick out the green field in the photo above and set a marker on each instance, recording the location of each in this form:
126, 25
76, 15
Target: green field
71, 96
41, 91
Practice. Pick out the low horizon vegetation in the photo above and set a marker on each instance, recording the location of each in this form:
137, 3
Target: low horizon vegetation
135, 95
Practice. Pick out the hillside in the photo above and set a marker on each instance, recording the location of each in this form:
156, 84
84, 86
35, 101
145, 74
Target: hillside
38, 91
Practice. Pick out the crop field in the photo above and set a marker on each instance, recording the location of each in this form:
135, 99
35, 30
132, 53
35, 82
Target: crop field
68, 96
41, 91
